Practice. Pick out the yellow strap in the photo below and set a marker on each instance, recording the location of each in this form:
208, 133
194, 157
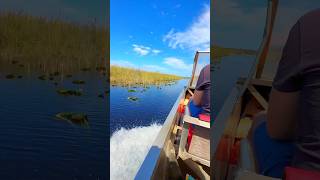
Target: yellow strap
243, 127
186, 101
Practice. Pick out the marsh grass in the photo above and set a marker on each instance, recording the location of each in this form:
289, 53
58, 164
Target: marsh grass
220, 52
124, 76
37, 44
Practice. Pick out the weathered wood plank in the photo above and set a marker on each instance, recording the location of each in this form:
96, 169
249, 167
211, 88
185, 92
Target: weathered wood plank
200, 143
258, 97
193, 168
183, 138
262, 82
196, 158
176, 128
196, 121
190, 92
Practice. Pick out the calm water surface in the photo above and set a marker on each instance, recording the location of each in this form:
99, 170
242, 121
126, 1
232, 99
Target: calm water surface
35, 145
153, 105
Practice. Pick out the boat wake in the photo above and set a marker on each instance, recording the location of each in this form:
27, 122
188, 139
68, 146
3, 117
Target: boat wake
128, 148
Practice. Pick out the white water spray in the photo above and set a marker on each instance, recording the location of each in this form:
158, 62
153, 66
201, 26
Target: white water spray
128, 148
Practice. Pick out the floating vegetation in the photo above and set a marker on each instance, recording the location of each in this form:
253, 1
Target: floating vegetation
78, 82
85, 69
170, 84
10, 76
75, 118
68, 76
56, 73
132, 90
42, 77
131, 98
14, 62
68, 92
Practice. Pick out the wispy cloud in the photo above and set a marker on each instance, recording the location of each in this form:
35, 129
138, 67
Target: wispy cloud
144, 50
156, 51
177, 63
141, 50
195, 37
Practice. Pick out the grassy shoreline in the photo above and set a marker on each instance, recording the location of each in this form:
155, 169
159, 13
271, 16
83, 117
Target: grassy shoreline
124, 76
220, 52
48, 46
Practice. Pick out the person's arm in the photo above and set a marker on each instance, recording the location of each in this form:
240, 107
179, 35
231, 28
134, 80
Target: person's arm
282, 114
197, 97
283, 103
202, 83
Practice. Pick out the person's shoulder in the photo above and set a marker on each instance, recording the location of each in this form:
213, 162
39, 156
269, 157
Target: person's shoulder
313, 15
207, 67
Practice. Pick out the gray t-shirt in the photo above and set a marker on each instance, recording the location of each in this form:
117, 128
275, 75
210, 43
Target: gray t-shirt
203, 84
299, 70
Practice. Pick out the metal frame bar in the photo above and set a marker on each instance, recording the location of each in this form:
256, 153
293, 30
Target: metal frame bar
195, 63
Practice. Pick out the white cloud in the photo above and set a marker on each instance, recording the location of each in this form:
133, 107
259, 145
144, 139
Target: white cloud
177, 63
156, 51
195, 37
144, 50
141, 50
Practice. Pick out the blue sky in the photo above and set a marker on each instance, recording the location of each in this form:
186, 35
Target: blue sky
158, 35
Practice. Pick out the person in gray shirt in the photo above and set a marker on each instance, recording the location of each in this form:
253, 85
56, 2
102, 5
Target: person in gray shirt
200, 101
288, 134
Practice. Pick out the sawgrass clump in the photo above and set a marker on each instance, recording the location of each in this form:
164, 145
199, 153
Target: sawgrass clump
51, 45
125, 76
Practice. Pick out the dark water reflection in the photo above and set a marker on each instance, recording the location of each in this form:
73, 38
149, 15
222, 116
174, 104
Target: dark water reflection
153, 105
34, 145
